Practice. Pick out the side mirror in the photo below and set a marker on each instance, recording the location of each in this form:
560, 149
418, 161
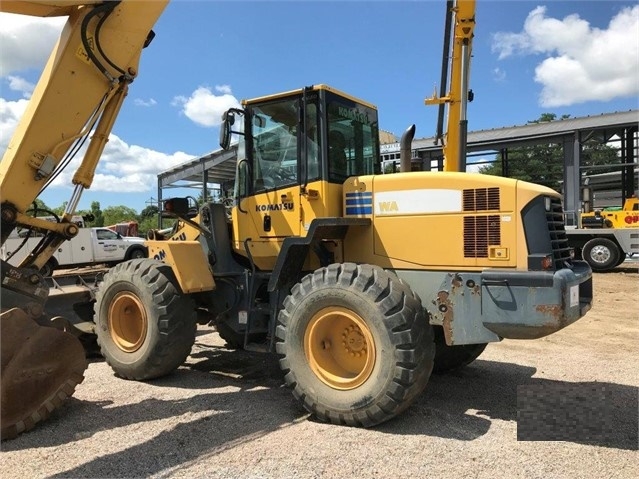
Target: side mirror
228, 119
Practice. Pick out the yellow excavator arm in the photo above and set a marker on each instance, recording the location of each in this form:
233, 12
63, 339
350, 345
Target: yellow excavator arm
79, 94
461, 16
76, 100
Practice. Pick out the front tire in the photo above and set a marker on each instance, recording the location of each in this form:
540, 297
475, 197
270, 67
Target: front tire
145, 326
355, 344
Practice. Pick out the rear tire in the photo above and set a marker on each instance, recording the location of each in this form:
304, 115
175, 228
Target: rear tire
355, 344
144, 324
622, 259
601, 254
450, 358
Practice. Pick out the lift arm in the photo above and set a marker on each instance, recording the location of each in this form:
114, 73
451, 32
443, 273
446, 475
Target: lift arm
462, 14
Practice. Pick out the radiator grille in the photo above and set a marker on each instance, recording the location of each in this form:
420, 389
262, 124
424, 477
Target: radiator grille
481, 199
558, 237
479, 232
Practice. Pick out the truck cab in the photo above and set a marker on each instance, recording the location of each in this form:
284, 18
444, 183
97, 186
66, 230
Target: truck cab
91, 246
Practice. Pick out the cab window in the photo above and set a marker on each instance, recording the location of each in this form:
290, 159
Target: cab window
353, 139
107, 235
274, 144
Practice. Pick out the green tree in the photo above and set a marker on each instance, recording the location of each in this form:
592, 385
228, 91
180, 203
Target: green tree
596, 154
151, 223
541, 164
98, 218
59, 210
148, 211
118, 214
39, 207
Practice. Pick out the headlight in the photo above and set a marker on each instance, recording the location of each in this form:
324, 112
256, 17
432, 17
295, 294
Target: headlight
547, 203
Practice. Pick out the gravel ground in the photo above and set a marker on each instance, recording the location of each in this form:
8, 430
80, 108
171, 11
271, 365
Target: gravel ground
559, 407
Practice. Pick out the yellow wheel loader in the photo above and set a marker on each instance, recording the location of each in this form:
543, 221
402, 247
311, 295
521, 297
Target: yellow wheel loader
362, 283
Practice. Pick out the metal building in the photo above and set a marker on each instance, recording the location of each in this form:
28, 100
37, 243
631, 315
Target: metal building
217, 169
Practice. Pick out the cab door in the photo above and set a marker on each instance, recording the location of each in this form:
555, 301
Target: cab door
284, 151
108, 245
282, 158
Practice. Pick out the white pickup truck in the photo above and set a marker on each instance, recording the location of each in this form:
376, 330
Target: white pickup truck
91, 246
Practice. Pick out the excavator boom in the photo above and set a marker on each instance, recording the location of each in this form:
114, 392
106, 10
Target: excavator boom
76, 100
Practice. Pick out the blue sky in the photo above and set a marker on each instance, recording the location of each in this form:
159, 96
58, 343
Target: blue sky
571, 57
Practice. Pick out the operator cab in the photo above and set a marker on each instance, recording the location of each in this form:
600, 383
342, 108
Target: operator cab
301, 137
295, 151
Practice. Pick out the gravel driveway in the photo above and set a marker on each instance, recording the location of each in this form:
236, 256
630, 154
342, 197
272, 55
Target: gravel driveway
560, 407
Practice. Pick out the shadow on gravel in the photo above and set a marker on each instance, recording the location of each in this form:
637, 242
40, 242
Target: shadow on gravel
623, 268
258, 406
461, 405
226, 426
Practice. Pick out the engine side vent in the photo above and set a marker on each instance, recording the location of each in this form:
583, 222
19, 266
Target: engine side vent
481, 199
479, 232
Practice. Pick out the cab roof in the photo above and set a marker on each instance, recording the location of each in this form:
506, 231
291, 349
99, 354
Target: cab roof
299, 91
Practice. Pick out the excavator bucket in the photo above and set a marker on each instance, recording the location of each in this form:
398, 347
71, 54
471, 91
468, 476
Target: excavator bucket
40, 368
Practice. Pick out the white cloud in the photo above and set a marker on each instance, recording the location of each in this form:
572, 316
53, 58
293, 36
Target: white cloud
499, 75
123, 168
20, 84
205, 107
146, 103
26, 41
583, 63
10, 113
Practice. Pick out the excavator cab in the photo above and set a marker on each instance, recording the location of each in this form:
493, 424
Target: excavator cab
296, 149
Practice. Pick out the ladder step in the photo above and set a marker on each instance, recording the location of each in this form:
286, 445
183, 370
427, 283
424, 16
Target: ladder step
257, 347
262, 308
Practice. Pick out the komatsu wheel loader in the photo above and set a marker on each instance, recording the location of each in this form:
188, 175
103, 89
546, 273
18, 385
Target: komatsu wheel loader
362, 283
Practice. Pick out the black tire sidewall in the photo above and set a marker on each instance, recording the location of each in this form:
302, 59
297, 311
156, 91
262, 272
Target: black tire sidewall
171, 319
451, 358
120, 359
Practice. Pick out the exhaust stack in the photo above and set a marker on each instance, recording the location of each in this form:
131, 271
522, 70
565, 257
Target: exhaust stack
405, 149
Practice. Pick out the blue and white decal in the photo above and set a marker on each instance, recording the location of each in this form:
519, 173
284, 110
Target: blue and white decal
418, 202
359, 203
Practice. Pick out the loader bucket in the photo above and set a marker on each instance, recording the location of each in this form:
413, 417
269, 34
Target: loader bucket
40, 367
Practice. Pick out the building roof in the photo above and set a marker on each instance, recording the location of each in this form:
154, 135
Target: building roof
498, 138
220, 165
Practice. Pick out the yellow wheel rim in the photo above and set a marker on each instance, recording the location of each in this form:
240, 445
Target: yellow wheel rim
128, 322
340, 348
